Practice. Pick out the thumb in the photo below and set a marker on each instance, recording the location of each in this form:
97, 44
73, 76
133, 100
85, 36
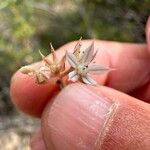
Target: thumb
91, 118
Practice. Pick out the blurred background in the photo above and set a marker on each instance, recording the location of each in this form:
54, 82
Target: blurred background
29, 25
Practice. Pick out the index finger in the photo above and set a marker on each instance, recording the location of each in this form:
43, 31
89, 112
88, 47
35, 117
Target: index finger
131, 61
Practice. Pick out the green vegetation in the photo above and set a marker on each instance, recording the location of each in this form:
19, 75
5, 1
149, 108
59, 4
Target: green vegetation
27, 26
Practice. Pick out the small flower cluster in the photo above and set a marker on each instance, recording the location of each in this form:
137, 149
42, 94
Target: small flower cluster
48, 70
80, 66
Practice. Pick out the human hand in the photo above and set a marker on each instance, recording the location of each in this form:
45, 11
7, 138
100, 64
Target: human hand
83, 117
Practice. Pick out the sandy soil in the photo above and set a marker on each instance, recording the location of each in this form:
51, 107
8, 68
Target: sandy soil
15, 132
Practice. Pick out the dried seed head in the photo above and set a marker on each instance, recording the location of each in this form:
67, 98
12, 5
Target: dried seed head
56, 66
41, 78
79, 61
26, 70
48, 70
62, 63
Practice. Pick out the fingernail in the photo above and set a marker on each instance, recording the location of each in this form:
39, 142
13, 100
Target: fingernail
76, 119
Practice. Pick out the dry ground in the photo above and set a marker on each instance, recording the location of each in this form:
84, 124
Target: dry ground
15, 132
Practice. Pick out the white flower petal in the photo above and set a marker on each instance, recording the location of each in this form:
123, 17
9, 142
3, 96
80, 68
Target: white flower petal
88, 80
88, 54
72, 59
98, 69
73, 76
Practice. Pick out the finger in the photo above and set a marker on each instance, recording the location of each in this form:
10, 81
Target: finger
96, 118
28, 96
148, 33
130, 60
144, 91
37, 142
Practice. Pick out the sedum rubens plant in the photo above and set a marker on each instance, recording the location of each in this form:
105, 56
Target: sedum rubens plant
80, 67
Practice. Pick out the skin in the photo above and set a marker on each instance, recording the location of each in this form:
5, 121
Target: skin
123, 121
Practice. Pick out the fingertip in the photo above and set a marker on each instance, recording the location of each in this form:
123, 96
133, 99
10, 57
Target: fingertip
28, 96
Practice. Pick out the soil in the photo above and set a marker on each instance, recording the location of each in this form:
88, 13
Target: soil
16, 131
